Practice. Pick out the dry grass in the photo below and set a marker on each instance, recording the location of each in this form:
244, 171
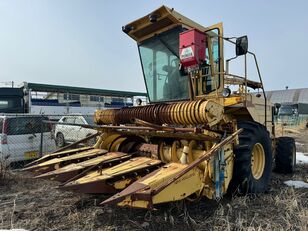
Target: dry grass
5, 173
284, 130
37, 205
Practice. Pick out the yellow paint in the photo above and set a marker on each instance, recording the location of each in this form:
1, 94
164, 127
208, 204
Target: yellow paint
115, 145
100, 140
76, 166
232, 101
257, 161
133, 203
31, 154
117, 170
89, 153
77, 150
121, 184
209, 187
183, 187
110, 137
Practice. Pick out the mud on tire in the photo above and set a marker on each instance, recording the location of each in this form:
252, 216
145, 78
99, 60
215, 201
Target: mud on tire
285, 159
245, 180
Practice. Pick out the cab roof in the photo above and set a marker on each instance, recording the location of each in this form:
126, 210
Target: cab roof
166, 19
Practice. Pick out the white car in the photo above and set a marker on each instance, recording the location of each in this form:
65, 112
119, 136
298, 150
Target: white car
71, 133
20, 137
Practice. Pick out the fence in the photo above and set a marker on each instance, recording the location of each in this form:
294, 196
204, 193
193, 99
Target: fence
290, 120
24, 137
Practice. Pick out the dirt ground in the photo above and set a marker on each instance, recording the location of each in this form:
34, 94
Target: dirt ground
38, 205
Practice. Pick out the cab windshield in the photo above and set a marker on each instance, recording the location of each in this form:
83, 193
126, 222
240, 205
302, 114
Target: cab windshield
160, 63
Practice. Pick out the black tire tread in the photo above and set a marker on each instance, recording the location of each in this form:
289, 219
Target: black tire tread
63, 142
284, 151
242, 180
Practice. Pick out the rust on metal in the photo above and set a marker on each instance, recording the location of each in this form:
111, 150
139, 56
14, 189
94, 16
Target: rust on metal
56, 163
206, 156
150, 150
178, 135
58, 154
93, 187
205, 111
68, 172
143, 191
130, 169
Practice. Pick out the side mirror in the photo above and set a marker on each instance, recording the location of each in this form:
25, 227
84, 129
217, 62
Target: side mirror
139, 102
241, 47
277, 105
276, 108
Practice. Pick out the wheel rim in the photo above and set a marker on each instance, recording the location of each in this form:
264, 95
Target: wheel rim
257, 161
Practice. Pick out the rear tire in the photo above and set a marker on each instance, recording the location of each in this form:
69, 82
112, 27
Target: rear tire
285, 159
252, 161
60, 141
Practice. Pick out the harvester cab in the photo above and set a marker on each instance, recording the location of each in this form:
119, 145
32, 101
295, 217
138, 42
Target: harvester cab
195, 138
171, 47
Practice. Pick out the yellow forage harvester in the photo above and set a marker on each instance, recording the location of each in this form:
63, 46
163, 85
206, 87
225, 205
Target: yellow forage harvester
202, 134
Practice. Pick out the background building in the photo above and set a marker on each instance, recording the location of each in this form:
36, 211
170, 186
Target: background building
36, 98
292, 103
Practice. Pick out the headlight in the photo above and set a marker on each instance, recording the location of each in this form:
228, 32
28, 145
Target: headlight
226, 92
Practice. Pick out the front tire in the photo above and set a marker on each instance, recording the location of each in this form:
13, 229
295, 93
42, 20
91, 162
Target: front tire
60, 141
253, 160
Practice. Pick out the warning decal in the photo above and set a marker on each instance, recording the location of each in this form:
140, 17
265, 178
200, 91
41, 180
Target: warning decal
187, 53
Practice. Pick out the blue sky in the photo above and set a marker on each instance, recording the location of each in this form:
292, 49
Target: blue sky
80, 43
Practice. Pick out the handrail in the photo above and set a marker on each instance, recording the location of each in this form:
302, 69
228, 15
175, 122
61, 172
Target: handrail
258, 70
